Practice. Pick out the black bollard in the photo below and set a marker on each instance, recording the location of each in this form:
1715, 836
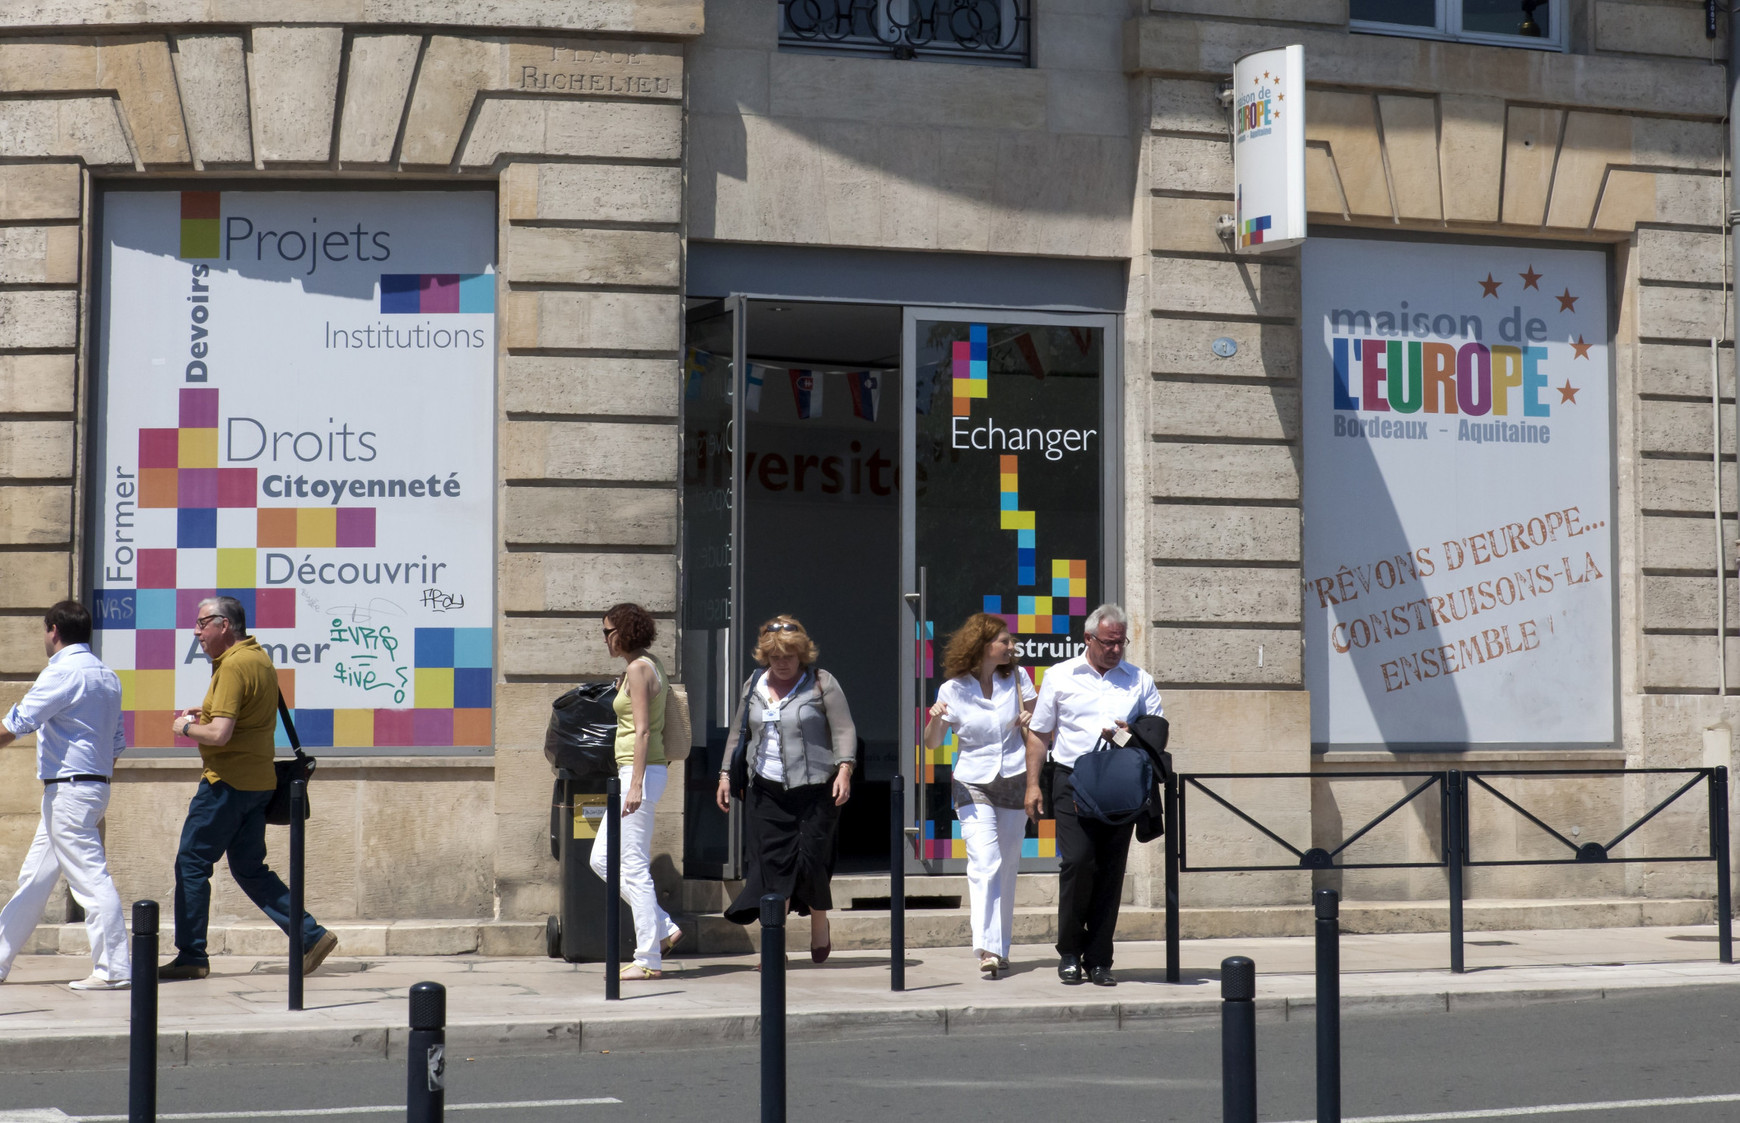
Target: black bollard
897, 883
613, 890
1719, 848
1328, 903
426, 1055
1174, 832
773, 1008
298, 833
1238, 1040
142, 1031
1455, 850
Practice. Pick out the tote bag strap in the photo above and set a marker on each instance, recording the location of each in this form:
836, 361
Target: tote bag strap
290, 727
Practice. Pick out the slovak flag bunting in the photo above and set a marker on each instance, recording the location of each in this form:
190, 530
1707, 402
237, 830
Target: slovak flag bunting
806, 389
866, 389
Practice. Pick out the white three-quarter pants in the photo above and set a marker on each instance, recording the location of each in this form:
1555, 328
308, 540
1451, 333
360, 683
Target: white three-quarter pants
993, 837
67, 843
651, 923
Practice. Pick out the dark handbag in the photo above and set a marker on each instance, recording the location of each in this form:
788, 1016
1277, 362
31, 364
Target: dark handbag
738, 769
1114, 783
582, 733
289, 771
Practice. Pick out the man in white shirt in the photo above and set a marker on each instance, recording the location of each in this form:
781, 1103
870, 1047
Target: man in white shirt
1080, 699
74, 708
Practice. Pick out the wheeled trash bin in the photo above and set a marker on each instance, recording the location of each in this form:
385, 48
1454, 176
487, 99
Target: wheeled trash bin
576, 821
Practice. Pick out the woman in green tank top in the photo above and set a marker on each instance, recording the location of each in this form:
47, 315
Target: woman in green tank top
641, 693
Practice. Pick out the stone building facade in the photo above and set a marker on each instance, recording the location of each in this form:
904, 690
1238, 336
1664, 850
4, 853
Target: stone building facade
637, 144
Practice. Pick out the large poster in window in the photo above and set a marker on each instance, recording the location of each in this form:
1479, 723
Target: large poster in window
295, 408
1009, 462
1459, 576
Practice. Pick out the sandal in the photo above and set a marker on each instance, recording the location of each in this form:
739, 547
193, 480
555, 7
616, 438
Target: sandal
669, 943
635, 971
990, 965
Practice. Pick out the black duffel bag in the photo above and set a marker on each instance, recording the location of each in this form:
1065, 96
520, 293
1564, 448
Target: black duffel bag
582, 733
1113, 783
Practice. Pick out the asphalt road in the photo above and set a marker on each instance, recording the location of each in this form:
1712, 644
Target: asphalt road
1498, 1063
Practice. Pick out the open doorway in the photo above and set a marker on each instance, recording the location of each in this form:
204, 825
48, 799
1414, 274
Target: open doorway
886, 449
821, 518
807, 522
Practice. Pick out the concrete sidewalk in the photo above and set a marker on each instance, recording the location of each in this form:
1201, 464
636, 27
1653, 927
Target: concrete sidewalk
356, 1007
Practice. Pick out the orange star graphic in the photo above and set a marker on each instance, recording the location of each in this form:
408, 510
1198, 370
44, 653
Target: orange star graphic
1489, 287
1531, 279
1567, 392
1581, 348
1567, 303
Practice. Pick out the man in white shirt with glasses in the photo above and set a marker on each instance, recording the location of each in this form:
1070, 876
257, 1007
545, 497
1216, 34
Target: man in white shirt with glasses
74, 708
1081, 699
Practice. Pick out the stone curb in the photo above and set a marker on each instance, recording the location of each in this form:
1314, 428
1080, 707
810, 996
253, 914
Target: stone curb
38, 1051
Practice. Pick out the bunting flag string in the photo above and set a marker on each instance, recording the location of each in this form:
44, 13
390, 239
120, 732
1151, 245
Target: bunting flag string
806, 391
752, 390
695, 366
865, 387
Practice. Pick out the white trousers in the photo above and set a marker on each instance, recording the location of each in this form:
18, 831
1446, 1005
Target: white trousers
651, 923
993, 836
67, 843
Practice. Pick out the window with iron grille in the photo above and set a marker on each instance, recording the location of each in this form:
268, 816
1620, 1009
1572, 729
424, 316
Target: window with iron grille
987, 32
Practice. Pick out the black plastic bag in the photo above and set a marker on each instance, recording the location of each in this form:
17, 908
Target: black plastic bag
582, 732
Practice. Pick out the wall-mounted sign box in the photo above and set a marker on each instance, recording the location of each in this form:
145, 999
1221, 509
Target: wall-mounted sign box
1269, 149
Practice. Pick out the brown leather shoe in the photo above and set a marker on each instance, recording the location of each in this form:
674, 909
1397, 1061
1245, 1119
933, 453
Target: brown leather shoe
317, 954
179, 968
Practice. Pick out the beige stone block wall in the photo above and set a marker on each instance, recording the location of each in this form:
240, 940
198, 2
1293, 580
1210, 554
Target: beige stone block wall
41, 262
1447, 138
797, 148
1658, 27
1228, 731
400, 838
587, 381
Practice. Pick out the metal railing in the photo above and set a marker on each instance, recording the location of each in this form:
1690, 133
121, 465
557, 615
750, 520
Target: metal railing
1454, 836
996, 32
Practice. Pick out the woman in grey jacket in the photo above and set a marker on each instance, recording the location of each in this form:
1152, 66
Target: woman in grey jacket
800, 750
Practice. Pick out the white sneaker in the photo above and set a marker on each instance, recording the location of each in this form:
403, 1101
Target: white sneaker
97, 982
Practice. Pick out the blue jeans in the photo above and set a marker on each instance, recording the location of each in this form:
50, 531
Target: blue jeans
220, 821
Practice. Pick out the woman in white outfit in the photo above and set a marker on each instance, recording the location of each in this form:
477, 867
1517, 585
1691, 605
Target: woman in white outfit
987, 701
641, 694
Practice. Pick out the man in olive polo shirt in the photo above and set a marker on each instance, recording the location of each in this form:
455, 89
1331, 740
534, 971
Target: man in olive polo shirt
234, 730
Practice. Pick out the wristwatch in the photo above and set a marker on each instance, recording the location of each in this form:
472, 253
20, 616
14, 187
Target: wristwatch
185, 726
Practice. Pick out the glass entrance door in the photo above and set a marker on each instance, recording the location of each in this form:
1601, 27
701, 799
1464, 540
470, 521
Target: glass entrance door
712, 467
1011, 446
821, 536
834, 452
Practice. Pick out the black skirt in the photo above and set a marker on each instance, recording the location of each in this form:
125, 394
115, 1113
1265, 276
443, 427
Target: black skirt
789, 848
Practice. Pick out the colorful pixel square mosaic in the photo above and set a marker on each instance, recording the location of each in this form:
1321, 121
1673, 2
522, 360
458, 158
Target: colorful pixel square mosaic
971, 368
451, 668
200, 235
437, 293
